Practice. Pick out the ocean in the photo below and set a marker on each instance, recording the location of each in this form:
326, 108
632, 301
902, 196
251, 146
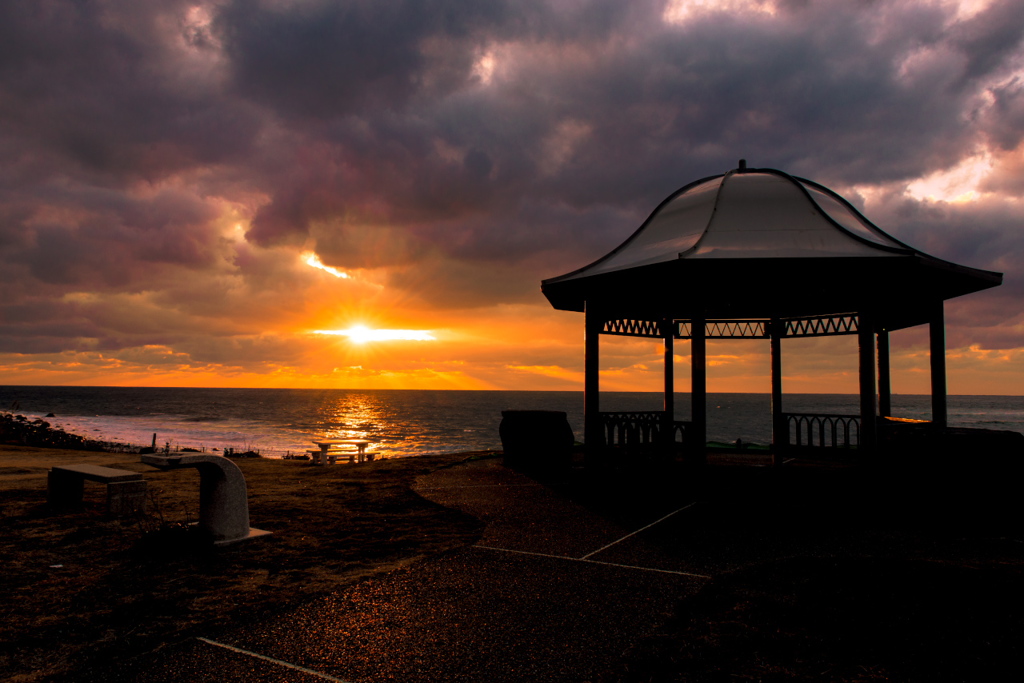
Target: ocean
411, 422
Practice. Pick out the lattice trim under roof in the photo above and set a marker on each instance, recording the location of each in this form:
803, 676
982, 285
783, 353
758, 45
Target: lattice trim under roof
814, 326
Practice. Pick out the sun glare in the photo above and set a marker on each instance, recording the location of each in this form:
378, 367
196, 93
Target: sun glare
312, 259
681, 11
360, 334
954, 185
484, 67
968, 8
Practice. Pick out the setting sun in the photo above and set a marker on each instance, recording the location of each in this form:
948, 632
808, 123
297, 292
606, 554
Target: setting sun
360, 334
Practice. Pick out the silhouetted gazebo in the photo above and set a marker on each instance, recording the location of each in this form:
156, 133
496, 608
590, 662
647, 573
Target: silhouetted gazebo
760, 254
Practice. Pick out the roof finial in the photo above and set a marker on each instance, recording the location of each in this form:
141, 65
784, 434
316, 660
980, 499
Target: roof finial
743, 165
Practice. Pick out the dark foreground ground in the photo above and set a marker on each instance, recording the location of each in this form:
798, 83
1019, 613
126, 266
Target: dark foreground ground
816, 572
822, 573
80, 589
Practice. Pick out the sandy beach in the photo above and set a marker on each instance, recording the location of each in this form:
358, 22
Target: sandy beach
818, 572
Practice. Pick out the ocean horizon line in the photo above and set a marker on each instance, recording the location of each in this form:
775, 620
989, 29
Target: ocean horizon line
539, 391
416, 421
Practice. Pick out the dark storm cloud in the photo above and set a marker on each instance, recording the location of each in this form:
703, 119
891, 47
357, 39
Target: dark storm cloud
1005, 122
991, 39
326, 59
102, 86
455, 142
42, 324
107, 238
827, 90
100, 104
984, 235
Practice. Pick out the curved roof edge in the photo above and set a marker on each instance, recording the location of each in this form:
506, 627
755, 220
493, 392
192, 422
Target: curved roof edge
806, 220
636, 232
731, 222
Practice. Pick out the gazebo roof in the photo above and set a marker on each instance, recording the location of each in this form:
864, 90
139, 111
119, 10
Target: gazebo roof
759, 243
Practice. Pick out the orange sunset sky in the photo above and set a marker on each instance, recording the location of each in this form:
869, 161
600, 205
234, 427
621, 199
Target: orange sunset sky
367, 195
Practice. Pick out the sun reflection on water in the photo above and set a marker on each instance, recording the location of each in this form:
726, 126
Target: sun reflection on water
355, 416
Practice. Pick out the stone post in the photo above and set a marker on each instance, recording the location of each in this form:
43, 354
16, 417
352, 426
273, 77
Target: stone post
223, 502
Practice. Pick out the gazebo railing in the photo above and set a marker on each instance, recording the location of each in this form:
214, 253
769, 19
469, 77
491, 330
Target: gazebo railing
640, 428
819, 430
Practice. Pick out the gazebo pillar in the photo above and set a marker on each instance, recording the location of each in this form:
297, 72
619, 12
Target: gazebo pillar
884, 375
937, 344
593, 438
866, 358
699, 386
668, 333
780, 430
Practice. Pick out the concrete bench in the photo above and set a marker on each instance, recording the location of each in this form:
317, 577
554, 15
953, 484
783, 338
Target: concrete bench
223, 502
126, 490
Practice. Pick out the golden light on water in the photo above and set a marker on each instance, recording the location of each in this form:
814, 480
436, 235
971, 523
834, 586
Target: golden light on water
360, 334
314, 260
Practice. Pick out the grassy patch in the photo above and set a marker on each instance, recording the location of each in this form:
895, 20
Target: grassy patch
80, 586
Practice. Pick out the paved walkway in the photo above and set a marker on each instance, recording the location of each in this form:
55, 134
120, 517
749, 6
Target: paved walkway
551, 592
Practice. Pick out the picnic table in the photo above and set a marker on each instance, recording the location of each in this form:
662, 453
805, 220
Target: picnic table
126, 490
330, 449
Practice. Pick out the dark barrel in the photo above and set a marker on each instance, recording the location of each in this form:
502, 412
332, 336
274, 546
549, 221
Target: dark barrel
536, 439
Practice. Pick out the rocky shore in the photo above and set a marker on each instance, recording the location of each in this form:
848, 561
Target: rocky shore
18, 430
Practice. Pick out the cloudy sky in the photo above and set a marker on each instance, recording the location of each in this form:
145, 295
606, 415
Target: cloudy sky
193, 191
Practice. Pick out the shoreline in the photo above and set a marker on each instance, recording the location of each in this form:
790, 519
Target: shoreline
412, 422
20, 430
16, 429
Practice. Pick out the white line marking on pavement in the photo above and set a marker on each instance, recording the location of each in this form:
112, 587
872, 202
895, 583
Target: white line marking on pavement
475, 486
607, 564
275, 661
639, 530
